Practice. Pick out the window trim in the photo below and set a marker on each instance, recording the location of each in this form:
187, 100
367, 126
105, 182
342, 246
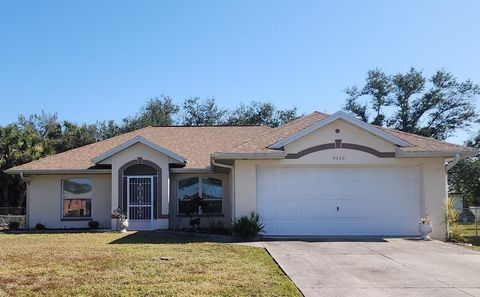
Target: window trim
62, 199
200, 193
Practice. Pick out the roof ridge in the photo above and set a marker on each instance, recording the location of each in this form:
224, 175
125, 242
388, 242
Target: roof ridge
322, 113
207, 126
303, 117
277, 128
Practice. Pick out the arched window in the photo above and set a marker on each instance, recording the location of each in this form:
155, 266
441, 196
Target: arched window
200, 195
140, 169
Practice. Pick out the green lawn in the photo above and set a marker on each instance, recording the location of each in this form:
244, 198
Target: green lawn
112, 264
470, 233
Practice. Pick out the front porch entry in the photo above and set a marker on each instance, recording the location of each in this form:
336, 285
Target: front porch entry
140, 195
139, 198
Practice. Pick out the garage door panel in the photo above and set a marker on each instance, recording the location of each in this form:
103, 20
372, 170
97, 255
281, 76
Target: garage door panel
332, 227
370, 200
308, 208
357, 226
303, 227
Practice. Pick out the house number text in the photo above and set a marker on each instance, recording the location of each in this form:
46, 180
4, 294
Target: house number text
338, 158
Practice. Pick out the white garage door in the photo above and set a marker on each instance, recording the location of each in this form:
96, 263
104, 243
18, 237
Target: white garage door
339, 201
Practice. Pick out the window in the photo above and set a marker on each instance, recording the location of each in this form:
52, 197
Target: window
201, 195
77, 198
212, 191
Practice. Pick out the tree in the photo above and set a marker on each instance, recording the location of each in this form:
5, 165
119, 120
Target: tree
45, 124
74, 136
261, 113
202, 113
59, 136
158, 111
18, 145
108, 129
434, 107
464, 178
352, 105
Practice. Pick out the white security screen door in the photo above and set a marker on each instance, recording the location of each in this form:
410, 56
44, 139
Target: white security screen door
140, 198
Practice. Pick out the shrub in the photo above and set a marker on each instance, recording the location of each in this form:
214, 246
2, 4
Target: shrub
247, 227
455, 231
40, 226
93, 224
13, 225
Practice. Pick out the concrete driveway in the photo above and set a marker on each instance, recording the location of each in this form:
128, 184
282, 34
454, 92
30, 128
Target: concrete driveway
381, 267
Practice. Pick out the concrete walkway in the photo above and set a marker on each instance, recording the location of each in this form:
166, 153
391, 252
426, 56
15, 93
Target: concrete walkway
390, 267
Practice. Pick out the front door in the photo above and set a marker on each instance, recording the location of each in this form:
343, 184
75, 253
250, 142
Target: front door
139, 198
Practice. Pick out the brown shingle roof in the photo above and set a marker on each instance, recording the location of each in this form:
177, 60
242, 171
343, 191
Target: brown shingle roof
197, 143
194, 143
425, 144
419, 143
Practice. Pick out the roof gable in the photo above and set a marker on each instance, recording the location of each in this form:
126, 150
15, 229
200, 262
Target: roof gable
135, 140
349, 119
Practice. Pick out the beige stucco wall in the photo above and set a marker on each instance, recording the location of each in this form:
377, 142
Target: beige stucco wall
45, 201
147, 153
180, 221
434, 186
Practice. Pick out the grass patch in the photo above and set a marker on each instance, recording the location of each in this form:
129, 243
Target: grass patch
112, 264
469, 229
470, 233
476, 247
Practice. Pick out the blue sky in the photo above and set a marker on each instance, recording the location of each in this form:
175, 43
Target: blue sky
100, 60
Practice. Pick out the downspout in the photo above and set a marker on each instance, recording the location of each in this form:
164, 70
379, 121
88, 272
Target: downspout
453, 162
27, 202
23, 177
232, 170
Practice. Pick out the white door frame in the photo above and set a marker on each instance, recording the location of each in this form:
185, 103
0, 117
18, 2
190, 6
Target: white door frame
151, 198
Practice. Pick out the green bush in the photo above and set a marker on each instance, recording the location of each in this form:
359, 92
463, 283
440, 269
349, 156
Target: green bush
13, 225
40, 226
247, 227
93, 224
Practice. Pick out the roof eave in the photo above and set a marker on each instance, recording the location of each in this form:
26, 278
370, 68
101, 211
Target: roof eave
57, 171
249, 156
432, 154
192, 170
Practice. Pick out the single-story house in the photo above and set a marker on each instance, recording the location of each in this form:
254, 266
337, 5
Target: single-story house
318, 175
